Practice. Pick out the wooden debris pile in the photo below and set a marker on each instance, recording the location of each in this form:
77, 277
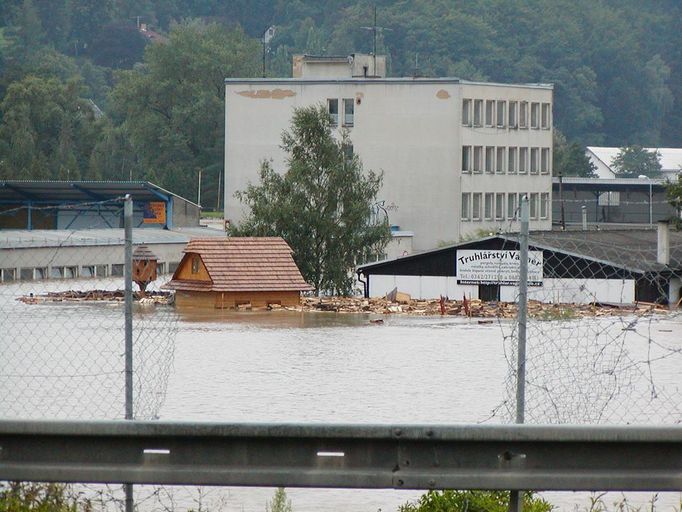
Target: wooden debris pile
474, 308
156, 297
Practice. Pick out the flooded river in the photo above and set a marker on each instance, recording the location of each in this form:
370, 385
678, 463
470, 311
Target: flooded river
280, 367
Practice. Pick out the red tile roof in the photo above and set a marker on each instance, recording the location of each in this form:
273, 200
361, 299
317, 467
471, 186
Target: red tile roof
243, 264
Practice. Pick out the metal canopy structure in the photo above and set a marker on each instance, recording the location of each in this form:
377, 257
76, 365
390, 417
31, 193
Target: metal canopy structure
516, 457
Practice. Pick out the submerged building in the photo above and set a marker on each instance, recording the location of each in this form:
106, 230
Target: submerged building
456, 155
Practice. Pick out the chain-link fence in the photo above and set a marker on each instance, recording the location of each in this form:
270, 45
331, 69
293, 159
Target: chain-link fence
62, 318
603, 329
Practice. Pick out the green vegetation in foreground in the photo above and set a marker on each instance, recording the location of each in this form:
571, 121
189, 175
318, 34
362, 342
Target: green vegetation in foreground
211, 215
39, 497
473, 501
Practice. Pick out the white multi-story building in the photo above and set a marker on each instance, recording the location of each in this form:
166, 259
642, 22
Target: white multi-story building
456, 155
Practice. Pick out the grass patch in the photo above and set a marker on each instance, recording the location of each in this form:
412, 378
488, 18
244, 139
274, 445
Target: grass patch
211, 215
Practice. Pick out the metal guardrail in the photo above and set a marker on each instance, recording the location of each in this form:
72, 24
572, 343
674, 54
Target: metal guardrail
516, 457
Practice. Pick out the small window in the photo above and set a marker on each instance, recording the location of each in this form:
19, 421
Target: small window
8, 274
466, 206
534, 206
610, 198
501, 113
511, 160
161, 267
478, 112
511, 205
534, 160
544, 205
513, 116
546, 110
489, 113
195, 264
523, 115
466, 158
523, 160
40, 273
535, 116
476, 206
490, 159
478, 159
544, 161
88, 271
70, 272
488, 207
499, 206
333, 107
117, 270
500, 160
101, 270
348, 112
347, 149
466, 112
173, 266
56, 272
26, 274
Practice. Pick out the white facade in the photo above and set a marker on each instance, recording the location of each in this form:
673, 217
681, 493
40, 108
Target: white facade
444, 147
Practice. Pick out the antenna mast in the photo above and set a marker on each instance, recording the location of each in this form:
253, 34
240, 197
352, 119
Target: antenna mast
375, 29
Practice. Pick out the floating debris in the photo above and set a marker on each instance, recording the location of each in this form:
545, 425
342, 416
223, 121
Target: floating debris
110, 296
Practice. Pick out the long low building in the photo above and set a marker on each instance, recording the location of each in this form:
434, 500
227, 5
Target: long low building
59, 254
619, 266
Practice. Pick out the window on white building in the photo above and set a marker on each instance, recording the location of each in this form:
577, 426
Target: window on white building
466, 158
499, 206
546, 112
513, 115
333, 109
544, 205
511, 160
466, 206
534, 160
490, 159
466, 112
501, 113
489, 112
478, 112
478, 159
544, 161
511, 205
348, 112
476, 206
523, 114
500, 160
488, 206
535, 116
523, 160
534, 206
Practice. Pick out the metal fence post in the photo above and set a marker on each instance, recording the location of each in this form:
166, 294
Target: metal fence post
516, 497
128, 296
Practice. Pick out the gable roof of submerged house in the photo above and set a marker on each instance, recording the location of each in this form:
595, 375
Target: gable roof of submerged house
237, 264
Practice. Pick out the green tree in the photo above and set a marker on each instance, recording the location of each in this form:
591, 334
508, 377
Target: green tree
172, 107
633, 161
570, 159
322, 204
473, 501
673, 191
279, 502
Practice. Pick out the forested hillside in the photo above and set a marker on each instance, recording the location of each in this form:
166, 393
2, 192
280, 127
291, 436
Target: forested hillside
85, 94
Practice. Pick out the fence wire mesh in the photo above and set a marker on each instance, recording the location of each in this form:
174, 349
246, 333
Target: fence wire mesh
603, 328
62, 319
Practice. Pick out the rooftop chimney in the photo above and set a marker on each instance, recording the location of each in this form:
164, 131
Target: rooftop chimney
663, 256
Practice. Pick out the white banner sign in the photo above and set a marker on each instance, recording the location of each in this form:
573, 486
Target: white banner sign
496, 267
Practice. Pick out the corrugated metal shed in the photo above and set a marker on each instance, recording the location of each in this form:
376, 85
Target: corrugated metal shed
243, 264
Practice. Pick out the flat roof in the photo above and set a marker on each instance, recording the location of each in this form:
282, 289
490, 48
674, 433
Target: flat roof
369, 81
46, 238
609, 183
81, 191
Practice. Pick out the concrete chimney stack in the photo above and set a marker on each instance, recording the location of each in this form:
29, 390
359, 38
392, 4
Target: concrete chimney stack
663, 248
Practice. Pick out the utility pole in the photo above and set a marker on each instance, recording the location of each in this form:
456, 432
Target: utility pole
516, 497
128, 323
265, 41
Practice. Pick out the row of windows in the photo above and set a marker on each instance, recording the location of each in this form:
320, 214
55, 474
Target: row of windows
503, 114
491, 206
348, 111
70, 272
504, 160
